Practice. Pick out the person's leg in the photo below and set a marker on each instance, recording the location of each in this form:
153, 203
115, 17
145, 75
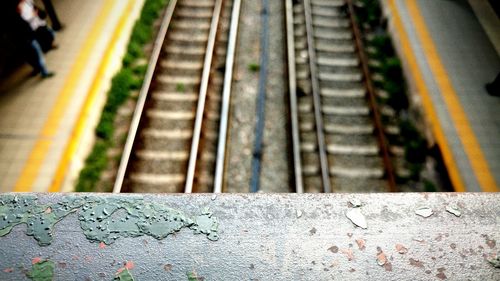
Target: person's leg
56, 25
40, 61
45, 37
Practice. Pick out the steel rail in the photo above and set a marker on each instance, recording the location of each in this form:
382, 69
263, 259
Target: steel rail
379, 129
141, 101
226, 98
200, 109
325, 176
292, 89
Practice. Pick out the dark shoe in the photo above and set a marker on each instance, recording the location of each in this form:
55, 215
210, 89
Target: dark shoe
34, 73
491, 90
48, 74
58, 27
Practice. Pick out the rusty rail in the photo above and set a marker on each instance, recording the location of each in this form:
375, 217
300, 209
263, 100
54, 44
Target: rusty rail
379, 129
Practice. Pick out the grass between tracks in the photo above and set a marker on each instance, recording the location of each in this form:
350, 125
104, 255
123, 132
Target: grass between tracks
127, 80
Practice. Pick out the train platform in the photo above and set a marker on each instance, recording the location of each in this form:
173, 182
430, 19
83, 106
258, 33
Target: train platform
45, 121
450, 55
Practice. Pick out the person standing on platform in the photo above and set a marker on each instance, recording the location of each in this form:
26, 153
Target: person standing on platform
33, 33
44, 34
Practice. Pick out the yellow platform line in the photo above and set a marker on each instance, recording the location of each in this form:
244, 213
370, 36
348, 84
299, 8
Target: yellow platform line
40, 149
455, 109
94, 90
428, 106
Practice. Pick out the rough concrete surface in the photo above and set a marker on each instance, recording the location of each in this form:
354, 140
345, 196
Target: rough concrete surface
282, 237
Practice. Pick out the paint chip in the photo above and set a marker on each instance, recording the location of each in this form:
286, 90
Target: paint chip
495, 262
424, 212
453, 210
355, 202
129, 265
441, 276
349, 254
299, 213
42, 270
401, 249
123, 274
95, 216
334, 249
312, 231
357, 218
381, 259
416, 263
193, 276
361, 244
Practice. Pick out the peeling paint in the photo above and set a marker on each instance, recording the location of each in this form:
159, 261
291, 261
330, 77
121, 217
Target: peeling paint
401, 249
312, 231
123, 274
416, 263
381, 257
40, 219
349, 254
452, 209
495, 262
102, 220
361, 244
424, 212
441, 276
490, 242
42, 271
193, 276
334, 249
355, 202
382, 260
357, 218
298, 213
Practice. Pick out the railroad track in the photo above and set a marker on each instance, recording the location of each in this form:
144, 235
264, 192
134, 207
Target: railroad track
339, 139
172, 143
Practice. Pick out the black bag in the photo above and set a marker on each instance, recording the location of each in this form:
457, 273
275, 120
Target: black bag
45, 38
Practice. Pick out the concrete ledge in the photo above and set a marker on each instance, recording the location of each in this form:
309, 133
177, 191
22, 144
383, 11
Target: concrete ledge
280, 237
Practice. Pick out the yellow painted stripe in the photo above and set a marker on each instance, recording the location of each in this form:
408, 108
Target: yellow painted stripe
94, 90
39, 152
424, 92
455, 109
